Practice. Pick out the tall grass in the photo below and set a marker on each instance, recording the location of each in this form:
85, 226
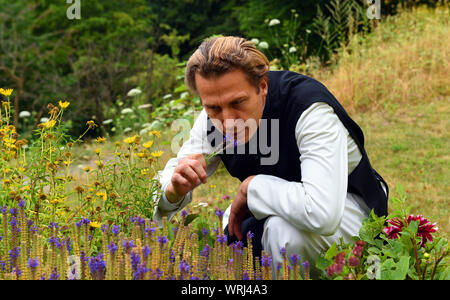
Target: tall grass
404, 61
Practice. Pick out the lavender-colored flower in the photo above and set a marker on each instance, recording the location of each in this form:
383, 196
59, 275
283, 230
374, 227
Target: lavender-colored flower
266, 261
54, 242
135, 260
184, 213
294, 258
306, 264
205, 231
13, 211
54, 275
104, 228
18, 271
3, 209
219, 212
53, 225
14, 253
21, 203
250, 235
140, 272
97, 266
150, 230
127, 245
68, 245
162, 240
245, 276
85, 221
205, 251
115, 229
112, 248
283, 251
33, 263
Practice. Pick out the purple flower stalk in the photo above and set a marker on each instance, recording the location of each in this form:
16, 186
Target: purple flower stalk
115, 229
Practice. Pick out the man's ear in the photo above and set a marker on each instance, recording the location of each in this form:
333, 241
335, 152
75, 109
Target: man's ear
263, 86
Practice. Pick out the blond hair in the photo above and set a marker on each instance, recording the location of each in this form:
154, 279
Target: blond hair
218, 55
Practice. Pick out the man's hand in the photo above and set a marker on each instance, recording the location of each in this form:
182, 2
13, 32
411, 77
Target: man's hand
189, 173
239, 209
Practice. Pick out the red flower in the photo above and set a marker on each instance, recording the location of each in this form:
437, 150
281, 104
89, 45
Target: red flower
424, 230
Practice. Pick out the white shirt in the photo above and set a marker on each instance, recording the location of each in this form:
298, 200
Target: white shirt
317, 204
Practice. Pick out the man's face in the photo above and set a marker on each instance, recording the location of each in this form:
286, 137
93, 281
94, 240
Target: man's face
233, 103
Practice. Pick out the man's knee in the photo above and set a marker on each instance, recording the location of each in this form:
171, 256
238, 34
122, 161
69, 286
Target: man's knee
278, 234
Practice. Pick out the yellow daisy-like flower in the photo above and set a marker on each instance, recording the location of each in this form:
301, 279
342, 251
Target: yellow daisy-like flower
97, 151
132, 139
55, 201
141, 154
157, 153
91, 124
49, 124
147, 144
94, 224
99, 164
6, 92
100, 140
64, 104
155, 133
101, 195
87, 169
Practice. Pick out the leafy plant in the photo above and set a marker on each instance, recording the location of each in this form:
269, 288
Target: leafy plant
403, 250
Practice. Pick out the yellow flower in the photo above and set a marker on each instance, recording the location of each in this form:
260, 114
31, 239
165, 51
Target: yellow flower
97, 151
91, 124
99, 164
101, 195
49, 124
144, 171
55, 201
147, 144
141, 154
132, 140
155, 133
87, 169
95, 224
100, 140
6, 92
64, 104
157, 153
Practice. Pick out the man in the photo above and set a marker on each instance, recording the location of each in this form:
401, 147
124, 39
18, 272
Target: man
315, 184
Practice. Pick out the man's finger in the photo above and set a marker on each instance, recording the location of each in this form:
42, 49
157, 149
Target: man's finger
200, 158
199, 169
188, 173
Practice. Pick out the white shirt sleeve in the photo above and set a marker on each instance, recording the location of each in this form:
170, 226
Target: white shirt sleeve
317, 203
197, 143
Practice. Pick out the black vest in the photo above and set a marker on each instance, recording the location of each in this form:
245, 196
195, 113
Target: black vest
289, 95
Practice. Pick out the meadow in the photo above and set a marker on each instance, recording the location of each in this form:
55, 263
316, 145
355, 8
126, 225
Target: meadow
74, 208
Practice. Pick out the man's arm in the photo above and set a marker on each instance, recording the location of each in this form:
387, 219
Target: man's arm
317, 203
170, 203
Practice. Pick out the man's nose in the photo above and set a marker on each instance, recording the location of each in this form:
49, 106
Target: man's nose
228, 120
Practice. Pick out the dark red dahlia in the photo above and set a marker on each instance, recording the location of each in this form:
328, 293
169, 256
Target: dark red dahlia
424, 230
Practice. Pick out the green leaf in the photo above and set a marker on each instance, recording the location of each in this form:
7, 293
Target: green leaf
401, 268
322, 263
331, 252
190, 218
